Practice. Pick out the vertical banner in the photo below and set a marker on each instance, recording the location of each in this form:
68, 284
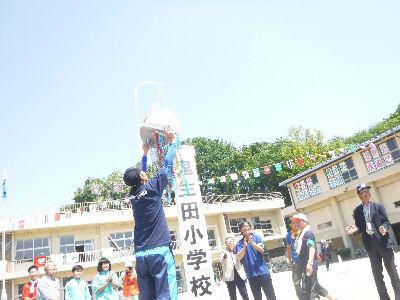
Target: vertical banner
193, 236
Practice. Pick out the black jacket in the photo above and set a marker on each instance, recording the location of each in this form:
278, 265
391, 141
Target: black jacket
378, 218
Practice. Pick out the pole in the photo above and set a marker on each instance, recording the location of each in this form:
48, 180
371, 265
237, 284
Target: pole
4, 292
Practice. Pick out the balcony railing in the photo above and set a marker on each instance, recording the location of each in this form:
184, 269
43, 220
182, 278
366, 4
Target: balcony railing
70, 259
38, 216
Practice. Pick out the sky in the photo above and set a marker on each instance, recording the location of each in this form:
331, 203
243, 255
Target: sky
241, 71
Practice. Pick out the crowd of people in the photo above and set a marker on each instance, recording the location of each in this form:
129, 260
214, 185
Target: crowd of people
106, 285
156, 270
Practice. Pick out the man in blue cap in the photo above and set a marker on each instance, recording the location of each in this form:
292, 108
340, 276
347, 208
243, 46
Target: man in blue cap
155, 265
372, 222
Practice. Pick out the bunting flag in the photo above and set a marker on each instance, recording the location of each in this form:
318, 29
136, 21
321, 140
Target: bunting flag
267, 170
278, 167
256, 172
352, 148
332, 154
290, 164
300, 162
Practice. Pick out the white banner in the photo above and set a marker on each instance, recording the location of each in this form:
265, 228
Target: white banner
193, 238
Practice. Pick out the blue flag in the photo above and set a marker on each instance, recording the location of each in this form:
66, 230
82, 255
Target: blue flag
4, 193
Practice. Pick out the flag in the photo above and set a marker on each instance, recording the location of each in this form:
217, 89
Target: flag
3, 188
223, 179
300, 162
256, 172
3, 185
332, 154
289, 164
352, 148
245, 175
267, 170
234, 177
21, 224
278, 167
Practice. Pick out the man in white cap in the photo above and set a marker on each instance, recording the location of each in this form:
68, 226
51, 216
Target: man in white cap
306, 264
378, 239
130, 289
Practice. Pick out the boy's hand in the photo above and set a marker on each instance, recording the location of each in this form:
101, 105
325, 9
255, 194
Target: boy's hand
145, 148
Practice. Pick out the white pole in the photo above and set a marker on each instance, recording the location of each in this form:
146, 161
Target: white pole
4, 292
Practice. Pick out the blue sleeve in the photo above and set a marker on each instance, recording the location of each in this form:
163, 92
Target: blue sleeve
238, 247
169, 158
144, 163
257, 239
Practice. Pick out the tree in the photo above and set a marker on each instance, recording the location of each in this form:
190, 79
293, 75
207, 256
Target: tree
216, 157
97, 189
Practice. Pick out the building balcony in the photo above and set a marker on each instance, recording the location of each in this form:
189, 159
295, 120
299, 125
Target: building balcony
65, 262
109, 211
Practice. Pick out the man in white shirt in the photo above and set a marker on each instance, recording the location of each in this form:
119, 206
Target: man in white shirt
48, 285
234, 274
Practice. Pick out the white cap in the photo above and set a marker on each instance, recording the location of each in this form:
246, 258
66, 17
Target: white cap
128, 264
300, 217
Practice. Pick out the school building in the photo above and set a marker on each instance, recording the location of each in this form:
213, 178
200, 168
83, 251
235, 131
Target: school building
327, 193
83, 233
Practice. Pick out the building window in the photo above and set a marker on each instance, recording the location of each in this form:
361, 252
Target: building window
180, 279
324, 225
121, 240
383, 155
212, 241
20, 288
341, 173
67, 244
264, 225
28, 249
307, 188
234, 224
174, 244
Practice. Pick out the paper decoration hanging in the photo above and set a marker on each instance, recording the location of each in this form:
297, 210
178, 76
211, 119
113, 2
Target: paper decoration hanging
245, 175
312, 157
211, 181
234, 177
278, 167
267, 170
256, 172
289, 164
332, 154
352, 148
223, 179
300, 162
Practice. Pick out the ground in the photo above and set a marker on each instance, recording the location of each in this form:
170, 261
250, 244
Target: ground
348, 280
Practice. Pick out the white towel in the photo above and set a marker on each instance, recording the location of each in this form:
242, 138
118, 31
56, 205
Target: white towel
299, 240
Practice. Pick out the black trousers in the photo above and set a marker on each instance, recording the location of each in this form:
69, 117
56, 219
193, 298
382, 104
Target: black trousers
263, 282
240, 284
376, 254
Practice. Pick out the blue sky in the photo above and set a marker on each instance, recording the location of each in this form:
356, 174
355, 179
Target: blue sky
240, 71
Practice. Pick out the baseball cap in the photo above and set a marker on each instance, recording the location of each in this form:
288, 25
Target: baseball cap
132, 177
362, 186
297, 217
128, 264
